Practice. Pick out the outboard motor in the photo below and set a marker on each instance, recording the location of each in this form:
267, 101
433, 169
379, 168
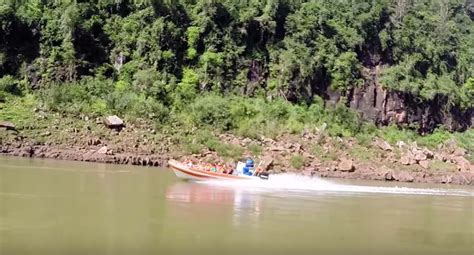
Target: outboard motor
264, 175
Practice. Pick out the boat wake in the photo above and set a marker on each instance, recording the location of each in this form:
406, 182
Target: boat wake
298, 183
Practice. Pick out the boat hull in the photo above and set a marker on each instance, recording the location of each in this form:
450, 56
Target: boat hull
184, 172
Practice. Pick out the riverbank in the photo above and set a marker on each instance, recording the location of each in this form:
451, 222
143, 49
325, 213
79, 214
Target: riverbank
313, 154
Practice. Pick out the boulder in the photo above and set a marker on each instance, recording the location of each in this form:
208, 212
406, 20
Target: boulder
401, 145
102, 150
114, 122
429, 154
463, 164
419, 155
409, 158
403, 177
7, 125
384, 145
277, 148
440, 156
47, 133
405, 160
461, 179
424, 163
346, 165
93, 141
451, 146
459, 152
388, 175
246, 141
268, 141
413, 146
267, 162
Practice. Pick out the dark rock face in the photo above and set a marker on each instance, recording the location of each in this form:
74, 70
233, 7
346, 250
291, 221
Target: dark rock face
384, 107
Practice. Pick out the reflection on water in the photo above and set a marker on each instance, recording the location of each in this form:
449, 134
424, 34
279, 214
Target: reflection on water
245, 207
57, 207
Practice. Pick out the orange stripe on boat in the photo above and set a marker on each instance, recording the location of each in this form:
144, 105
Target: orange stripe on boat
192, 173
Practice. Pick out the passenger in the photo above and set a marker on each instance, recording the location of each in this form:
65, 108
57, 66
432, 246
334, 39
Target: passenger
189, 163
227, 169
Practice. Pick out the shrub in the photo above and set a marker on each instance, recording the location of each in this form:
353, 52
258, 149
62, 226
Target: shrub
436, 138
297, 161
248, 128
8, 84
229, 150
243, 109
212, 110
364, 138
294, 127
223, 149
255, 149
192, 148
278, 109
80, 96
122, 86
147, 107
342, 121
316, 111
64, 98
187, 88
3, 97
98, 107
465, 140
128, 70
393, 134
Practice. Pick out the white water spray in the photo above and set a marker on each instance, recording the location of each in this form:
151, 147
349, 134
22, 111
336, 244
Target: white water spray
298, 183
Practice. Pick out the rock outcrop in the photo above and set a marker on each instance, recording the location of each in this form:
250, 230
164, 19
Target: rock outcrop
7, 125
346, 165
383, 106
403, 176
102, 150
114, 122
384, 145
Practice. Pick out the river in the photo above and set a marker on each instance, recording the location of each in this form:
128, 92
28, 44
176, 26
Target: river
60, 207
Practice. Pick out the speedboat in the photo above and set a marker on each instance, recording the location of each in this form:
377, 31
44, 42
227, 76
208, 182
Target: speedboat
191, 172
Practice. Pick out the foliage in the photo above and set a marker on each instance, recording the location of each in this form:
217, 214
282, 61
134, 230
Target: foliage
465, 139
255, 149
297, 161
436, 138
8, 84
212, 110
250, 67
301, 45
393, 134
431, 46
19, 110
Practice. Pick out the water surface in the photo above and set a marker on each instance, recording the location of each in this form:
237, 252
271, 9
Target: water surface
59, 207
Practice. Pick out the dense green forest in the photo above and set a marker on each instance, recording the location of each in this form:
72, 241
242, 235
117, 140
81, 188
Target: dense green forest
246, 65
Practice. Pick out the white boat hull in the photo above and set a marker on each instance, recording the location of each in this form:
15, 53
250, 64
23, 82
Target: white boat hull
184, 172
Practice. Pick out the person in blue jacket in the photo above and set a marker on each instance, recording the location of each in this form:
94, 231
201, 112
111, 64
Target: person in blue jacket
248, 169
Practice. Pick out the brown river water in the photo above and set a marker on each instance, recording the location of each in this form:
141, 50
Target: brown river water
60, 207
